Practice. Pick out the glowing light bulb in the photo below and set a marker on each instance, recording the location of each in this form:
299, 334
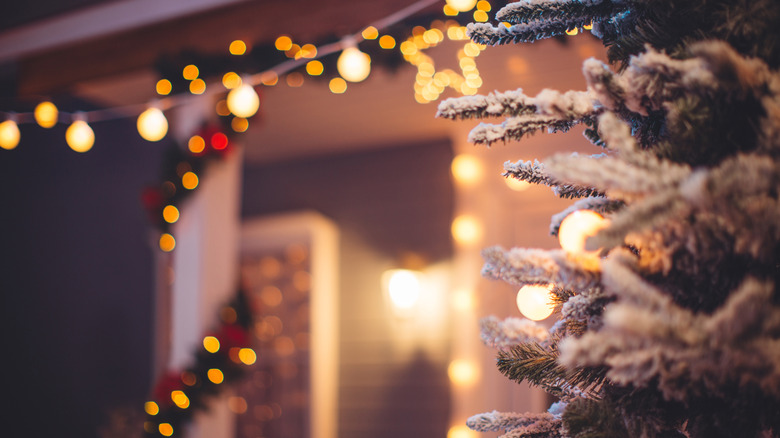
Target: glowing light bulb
462, 372
79, 136
466, 169
9, 135
211, 344
461, 431
462, 5
353, 65
46, 114
151, 408
466, 230
215, 375
517, 185
577, 227
403, 286
243, 101
247, 356
152, 125
535, 301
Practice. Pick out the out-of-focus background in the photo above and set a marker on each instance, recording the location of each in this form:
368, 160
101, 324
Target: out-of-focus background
310, 210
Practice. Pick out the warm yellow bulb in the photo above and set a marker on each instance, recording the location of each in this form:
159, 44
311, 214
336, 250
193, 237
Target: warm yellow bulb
239, 124
189, 180
170, 214
243, 101
353, 65
9, 135
466, 169
163, 87
167, 242
79, 136
572, 32
237, 47
190, 72
231, 80
466, 230
198, 86
387, 42
370, 33
403, 286
338, 86
211, 344
535, 301
462, 5
247, 356
283, 43
517, 185
577, 227
461, 431
165, 429
483, 5
152, 125
314, 68
196, 144
46, 114
462, 372
151, 408
215, 376
180, 399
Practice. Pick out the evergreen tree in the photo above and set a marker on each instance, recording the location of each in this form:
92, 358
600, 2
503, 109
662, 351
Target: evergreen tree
672, 328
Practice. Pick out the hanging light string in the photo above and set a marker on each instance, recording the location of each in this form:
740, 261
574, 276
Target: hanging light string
9, 133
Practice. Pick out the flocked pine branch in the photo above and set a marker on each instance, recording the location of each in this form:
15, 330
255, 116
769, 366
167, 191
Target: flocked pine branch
533, 363
521, 266
599, 204
506, 333
571, 105
485, 33
730, 353
535, 173
496, 421
517, 127
537, 19
614, 176
531, 10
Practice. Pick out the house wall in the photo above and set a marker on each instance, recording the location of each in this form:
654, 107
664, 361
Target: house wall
76, 279
393, 373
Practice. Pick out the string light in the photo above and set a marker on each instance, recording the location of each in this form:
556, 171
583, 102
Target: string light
577, 227
337, 85
535, 301
466, 169
152, 124
243, 101
466, 230
46, 114
215, 375
462, 5
211, 344
237, 47
163, 87
354, 65
80, 136
9, 135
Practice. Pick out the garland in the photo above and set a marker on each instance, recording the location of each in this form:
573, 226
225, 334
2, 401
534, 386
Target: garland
221, 360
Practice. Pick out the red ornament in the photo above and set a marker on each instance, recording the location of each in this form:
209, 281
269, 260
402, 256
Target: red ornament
232, 335
170, 382
217, 142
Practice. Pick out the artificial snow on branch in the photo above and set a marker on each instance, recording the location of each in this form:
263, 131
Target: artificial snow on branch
502, 334
521, 266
